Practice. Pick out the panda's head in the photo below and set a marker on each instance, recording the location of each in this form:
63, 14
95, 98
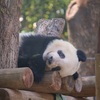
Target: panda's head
62, 56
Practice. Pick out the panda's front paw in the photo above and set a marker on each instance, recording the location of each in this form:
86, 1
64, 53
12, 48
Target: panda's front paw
75, 76
38, 78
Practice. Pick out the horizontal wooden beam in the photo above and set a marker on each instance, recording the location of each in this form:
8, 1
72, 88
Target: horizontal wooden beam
16, 78
23, 78
53, 84
88, 88
9, 94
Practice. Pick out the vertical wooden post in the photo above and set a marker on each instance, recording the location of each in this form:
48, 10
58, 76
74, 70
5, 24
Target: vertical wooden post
98, 45
97, 68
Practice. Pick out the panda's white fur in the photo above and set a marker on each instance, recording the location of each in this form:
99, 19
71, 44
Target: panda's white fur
70, 64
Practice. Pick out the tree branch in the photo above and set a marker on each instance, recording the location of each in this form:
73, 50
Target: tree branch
53, 27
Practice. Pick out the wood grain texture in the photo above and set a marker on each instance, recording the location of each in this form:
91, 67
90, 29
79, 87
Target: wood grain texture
50, 27
88, 88
9, 94
16, 78
97, 70
83, 29
9, 29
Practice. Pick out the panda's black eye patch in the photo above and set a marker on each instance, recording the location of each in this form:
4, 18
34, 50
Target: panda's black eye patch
61, 54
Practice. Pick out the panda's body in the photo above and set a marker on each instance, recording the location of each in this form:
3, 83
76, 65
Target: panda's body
38, 52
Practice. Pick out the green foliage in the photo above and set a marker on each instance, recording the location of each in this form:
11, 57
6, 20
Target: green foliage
33, 10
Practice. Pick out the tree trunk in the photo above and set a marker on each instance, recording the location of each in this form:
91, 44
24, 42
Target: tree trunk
83, 20
51, 27
9, 29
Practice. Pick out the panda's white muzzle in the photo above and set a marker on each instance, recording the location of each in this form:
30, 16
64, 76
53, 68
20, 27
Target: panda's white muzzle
49, 62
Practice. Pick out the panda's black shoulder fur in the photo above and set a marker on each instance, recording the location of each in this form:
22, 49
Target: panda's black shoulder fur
31, 51
34, 44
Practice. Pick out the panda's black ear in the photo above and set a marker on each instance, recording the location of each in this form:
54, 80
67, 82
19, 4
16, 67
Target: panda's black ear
81, 55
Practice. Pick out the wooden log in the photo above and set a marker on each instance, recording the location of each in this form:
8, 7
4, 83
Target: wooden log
78, 98
45, 87
8, 94
72, 98
15, 81
97, 70
53, 27
88, 88
16, 78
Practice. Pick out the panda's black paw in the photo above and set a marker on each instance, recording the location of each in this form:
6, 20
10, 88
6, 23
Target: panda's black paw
38, 74
75, 76
38, 78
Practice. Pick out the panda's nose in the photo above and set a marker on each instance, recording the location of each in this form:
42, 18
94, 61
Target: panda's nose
50, 59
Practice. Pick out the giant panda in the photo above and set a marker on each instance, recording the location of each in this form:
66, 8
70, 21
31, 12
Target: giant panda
38, 52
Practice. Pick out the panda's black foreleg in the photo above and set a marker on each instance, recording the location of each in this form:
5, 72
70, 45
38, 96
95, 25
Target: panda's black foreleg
75, 76
22, 61
37, 65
